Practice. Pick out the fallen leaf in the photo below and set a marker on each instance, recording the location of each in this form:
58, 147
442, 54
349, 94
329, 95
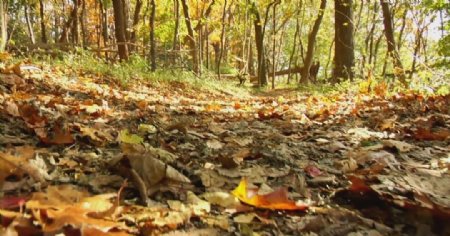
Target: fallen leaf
347, 165
249, 218
66, 205
59, 135
277, 200
11, 165
398, 145
222, 199
126, 137
312, 171
427, 134
214, 144
11, 202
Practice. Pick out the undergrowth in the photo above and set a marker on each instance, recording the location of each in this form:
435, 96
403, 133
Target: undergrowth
137, 68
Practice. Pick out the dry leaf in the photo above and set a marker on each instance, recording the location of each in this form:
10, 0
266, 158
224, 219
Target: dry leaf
399, 145
11, 165
277, 200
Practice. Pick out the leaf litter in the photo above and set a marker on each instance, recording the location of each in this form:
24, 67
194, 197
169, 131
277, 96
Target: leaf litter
81, 156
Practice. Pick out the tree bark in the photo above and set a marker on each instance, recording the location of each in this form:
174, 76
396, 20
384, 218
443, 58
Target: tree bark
74, 28
137, 11
119, 22
294, 47
3, 24
104, 23
41, 15
126, 16
176, 9
305, 76
68, 25
392, 49
222, 38
274, 21
191, 37
259, 41
344, 55
152, 35
83, 21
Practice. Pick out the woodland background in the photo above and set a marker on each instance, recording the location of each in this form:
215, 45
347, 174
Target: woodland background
296, 40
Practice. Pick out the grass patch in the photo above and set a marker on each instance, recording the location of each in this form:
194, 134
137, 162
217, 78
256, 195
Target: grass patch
137, 68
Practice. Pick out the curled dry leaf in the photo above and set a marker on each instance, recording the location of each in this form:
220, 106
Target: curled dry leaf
149, 168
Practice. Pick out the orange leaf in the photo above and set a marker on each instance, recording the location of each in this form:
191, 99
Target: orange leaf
61, 135
277, 200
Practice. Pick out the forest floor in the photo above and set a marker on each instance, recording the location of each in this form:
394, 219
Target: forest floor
78, 153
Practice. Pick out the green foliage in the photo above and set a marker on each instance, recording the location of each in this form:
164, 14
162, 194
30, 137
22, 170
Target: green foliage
137, 68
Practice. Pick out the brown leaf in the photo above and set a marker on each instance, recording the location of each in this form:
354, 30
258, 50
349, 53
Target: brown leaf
427, 134
60, 135
32, 116
11, 165
66, 205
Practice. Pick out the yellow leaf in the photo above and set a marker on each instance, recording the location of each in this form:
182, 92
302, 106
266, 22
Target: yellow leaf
126, 137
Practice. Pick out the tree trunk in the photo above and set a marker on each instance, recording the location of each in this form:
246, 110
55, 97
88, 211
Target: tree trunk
206, 51
191, 37
74, 29
305, 76
41, 15
29, 25
3, 24
137, 11
222, 38
259, 41
84, 23
68, 25
119, 22
274, 21
294, 47
344, 55
176, 9
152, 35
392, 49
126, 16
104, 22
